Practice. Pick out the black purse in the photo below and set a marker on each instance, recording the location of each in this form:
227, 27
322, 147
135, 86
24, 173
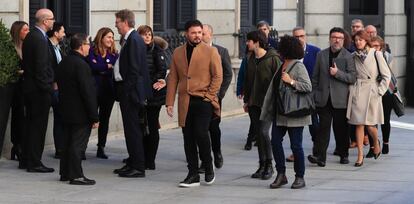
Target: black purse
397, 102
293, 103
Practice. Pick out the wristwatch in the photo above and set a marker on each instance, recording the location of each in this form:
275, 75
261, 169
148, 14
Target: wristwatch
292, 82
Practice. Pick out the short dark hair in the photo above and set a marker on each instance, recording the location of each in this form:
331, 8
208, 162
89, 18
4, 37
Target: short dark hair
77, 40
126, 15
56, 27
290, 48
258, 36
336, 30
192, 23
262, 23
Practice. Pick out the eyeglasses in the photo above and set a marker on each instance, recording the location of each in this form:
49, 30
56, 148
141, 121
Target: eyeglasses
50, 19
86, 43
337, 38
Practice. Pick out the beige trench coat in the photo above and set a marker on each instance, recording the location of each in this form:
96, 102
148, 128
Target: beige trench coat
365, 96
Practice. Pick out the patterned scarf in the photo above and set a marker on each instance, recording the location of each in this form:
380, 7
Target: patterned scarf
362, 54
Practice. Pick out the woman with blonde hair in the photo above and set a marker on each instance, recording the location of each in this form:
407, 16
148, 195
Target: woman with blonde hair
102, 58
365, 96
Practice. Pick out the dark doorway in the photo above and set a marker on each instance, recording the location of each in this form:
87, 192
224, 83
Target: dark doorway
73, 13
409, 84
371, 12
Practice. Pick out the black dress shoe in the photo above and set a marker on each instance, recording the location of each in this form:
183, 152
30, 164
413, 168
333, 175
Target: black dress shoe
57, 155
298, 183
218, 160
124, 168
40, 169
259, 171
190, 181
344, 160
315, 160
132, 173
279, 181
82, 181
100, 153
125, 160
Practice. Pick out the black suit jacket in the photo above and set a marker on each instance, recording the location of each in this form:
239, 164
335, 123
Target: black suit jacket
38, 72
133, 69
227, 71
77, 93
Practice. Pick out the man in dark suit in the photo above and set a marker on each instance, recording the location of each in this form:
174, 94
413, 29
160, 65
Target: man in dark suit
309, 61
265, 28
334, 71
132, 86
79, 109
56, 36
215, 132
37, 87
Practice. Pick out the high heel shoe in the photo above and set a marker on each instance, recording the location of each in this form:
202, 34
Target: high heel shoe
376, 155
358, 164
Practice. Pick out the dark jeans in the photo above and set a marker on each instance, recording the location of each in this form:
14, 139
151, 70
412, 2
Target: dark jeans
75, 141
251, 136
152, 139
105, 104
196, 135
215, 133
387, 108
295, 136
57, 122
337, 117
261, 129
37, 115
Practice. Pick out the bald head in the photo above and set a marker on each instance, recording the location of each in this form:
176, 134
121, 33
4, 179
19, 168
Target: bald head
44, 19
371, 30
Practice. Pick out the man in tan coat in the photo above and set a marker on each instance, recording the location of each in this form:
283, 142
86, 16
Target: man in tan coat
196, 72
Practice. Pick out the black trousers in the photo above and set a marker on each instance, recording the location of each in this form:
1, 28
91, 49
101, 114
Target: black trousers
261, 129
17, 126
130, 112
75, 141
57, 123
37, 115
105, 104
196, 135
215, 133
152, 139
337, 117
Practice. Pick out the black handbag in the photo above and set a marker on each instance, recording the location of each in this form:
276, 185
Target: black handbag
397, 103
293, 103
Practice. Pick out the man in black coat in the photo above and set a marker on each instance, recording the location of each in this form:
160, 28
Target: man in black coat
56, 35
215, 132
37, 87
132, 87
79, 109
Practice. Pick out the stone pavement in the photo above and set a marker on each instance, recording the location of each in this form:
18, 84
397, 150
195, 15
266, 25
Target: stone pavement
390, 179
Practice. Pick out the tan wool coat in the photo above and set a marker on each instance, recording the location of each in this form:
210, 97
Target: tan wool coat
201, 78
365, 96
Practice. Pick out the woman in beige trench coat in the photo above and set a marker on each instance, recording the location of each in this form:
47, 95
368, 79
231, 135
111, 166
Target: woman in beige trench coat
365, 96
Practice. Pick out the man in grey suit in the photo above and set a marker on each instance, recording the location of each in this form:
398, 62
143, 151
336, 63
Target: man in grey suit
215, 132
334, 71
